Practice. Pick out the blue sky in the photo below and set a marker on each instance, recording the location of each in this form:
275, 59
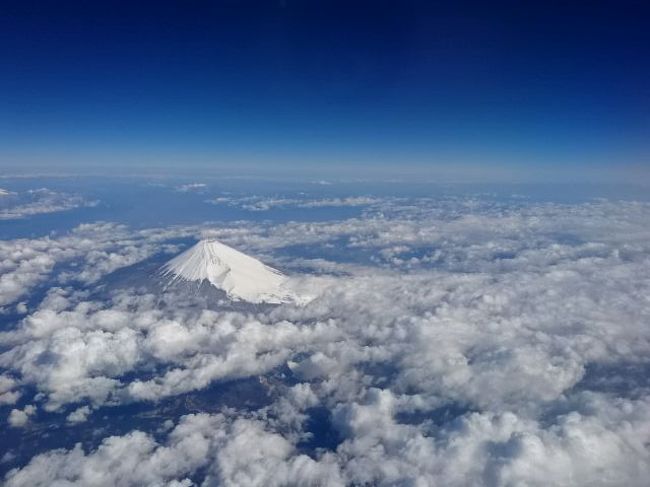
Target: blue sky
469, 91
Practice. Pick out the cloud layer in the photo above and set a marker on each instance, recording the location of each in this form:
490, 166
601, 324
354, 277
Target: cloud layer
467, 343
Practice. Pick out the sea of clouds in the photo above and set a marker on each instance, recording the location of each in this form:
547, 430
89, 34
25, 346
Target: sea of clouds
450, 342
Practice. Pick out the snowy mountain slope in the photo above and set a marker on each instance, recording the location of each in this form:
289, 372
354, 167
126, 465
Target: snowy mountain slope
242, 277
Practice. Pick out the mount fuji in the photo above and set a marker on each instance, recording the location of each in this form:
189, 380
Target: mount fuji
242, 277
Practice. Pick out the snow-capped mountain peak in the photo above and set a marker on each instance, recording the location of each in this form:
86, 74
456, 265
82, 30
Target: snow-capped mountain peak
242, 277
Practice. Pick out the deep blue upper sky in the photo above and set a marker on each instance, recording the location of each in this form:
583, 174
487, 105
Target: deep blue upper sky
493, 88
